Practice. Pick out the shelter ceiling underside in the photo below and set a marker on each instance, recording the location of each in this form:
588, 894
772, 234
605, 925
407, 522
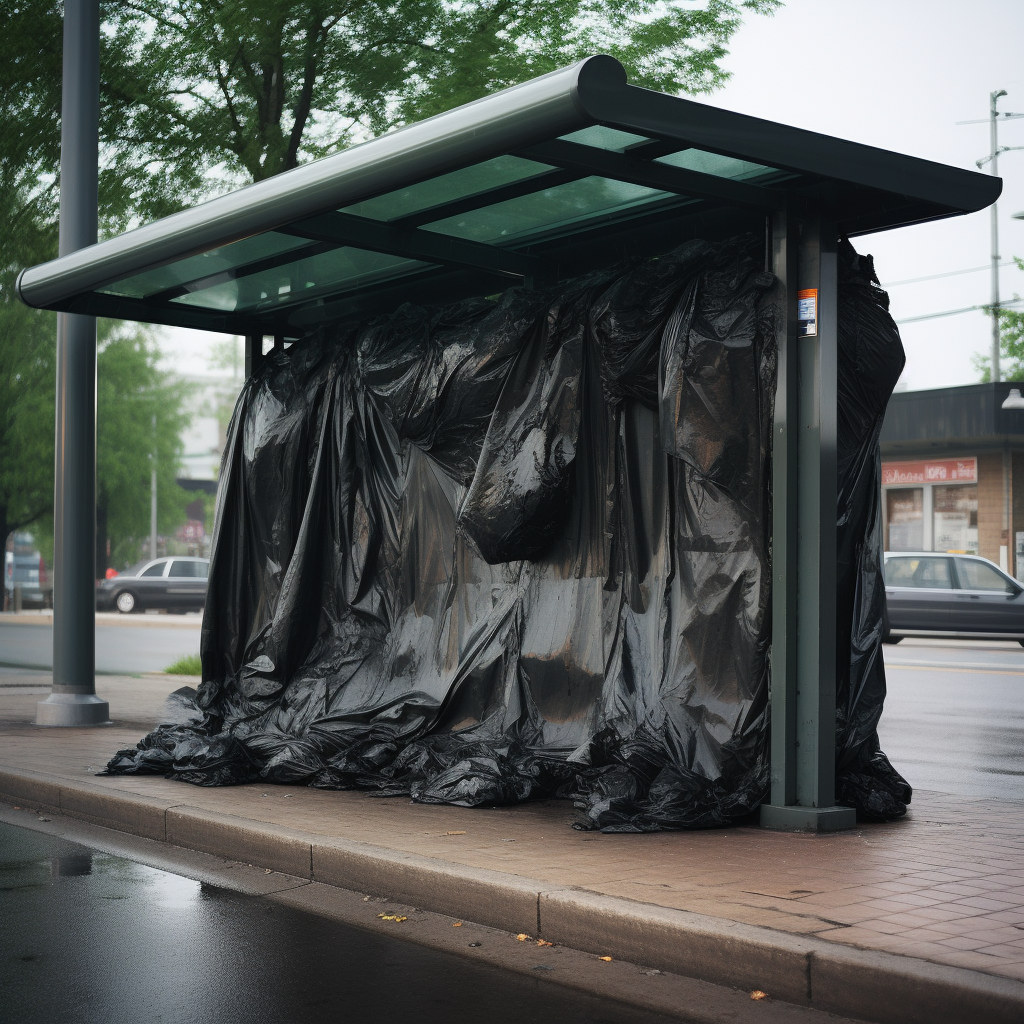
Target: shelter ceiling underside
495, 216
542, 182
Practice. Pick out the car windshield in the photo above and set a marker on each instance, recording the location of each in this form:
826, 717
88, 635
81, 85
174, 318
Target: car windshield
135, 569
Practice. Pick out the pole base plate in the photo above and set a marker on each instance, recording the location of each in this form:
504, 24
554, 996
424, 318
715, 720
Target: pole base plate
71, 709
792, 818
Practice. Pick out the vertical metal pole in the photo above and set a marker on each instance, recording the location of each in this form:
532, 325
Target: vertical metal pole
152, 497
994, 222
785, 537
805, 486
818, 487
253, 353
73, 700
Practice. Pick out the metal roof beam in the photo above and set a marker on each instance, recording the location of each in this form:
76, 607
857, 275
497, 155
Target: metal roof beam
625, 167
412, 243
222, 276
501, 194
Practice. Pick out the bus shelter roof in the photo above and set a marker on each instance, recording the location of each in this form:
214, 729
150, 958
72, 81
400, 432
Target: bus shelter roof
548, 179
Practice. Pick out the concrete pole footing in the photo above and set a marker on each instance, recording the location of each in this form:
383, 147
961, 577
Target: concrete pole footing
793, 818
70, 709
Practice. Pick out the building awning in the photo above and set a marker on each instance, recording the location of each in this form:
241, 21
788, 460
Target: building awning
544, 180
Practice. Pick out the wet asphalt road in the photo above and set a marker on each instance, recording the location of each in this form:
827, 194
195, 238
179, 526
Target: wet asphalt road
120, 650
94, 939
954, 716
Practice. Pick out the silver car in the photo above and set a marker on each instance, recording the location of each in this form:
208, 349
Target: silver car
177, 584
933, 594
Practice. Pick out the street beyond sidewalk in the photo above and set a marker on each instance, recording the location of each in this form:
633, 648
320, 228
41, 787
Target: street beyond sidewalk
921, 919
125, 644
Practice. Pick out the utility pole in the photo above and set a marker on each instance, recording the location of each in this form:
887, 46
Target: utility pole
73, 699
152, 496
993, 158
994, 141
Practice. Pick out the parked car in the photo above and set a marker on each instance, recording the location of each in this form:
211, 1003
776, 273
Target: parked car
174, 584
932, 594
24, 566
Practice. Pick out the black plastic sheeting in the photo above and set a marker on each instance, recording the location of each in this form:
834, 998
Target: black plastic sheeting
520, 548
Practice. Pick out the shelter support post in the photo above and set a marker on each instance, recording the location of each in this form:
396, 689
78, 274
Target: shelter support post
804, 470
253, 353
73, 699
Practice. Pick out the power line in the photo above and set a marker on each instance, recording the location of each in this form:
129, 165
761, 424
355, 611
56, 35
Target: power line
948, 273
1005, 115
955, 312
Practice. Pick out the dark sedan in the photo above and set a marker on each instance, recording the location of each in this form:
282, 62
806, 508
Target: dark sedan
174, 584
932, 594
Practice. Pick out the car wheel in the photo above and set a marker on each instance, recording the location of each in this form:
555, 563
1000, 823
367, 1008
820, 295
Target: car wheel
125, 602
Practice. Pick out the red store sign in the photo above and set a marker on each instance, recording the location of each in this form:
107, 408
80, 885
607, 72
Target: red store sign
944, 471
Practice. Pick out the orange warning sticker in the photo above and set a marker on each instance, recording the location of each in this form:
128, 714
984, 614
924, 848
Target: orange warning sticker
807, 310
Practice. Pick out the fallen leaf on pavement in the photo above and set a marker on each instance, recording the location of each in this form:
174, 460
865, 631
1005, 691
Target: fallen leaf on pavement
522, 936
606, 959
457, 924
758, 994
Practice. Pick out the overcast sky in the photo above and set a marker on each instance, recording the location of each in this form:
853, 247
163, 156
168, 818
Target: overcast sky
897, 74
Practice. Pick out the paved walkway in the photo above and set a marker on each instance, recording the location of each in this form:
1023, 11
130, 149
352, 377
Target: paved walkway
943, 886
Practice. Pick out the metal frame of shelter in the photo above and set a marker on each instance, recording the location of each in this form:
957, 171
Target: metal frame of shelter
554, 177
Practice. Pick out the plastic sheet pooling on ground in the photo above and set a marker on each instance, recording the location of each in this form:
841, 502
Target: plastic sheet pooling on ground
519, 547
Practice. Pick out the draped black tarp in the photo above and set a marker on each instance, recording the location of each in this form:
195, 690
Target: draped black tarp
520, 547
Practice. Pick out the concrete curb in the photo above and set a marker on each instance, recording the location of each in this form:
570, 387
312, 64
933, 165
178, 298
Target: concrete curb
105, 619
874, 986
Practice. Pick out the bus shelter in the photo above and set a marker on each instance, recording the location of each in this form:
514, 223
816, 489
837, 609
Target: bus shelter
543, 183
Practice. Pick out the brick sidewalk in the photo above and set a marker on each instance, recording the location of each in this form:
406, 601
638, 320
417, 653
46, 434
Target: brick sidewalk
945, 885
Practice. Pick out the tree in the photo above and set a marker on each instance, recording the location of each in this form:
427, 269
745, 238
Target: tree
28, 209
247, 90
130, 387
140, 418
201, 95
1011, 344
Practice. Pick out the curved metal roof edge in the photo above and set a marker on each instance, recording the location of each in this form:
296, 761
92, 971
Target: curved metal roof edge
795, 149
490, 126
594, 90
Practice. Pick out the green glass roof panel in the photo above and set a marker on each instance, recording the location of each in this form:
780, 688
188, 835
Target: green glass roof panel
485, 176
716, 164
445, 188
548, 209
194, 268
600, 137
338, 270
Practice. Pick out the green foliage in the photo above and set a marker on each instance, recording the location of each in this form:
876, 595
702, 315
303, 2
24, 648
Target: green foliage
139, 414
200, 95
1011, 344
247, 90
190, 665
30, 48
27, 373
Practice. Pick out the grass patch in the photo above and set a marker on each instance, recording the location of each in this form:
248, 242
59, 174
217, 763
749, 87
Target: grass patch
190, 665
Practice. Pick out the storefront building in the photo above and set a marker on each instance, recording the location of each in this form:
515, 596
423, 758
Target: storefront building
953, 472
